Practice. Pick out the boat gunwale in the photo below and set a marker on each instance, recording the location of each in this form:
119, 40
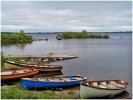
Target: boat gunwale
29, 71
28, 79
124, 82
56, 67
33, 65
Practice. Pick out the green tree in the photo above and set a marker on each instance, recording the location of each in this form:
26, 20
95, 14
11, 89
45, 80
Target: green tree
81, 35
21, 31
84, 31
13, 38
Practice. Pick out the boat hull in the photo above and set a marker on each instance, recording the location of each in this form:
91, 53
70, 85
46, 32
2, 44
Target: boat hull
10, 66
49, 68
28, 84
18, 76
89, 92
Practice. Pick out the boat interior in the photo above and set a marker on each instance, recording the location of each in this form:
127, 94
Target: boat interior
52, 66
36, 65
106, 84
14, 72
55, 79
11, 61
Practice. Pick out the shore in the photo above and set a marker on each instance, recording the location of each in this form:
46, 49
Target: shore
16, 92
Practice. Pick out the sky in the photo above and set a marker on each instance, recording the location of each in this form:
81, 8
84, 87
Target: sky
58, 16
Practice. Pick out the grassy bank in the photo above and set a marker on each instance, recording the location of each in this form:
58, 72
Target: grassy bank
2, 61
9, 38
82, 35
16, 92
15, 59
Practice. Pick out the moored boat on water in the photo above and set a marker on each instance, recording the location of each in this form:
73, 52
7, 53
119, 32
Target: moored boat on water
46, 39
59, 37
52, 82
102, 88
43, 68
17, 74
49, 68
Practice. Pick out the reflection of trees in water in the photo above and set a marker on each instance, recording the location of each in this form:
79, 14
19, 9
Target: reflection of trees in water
20, 45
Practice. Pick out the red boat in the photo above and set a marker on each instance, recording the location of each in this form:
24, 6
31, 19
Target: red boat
17, 74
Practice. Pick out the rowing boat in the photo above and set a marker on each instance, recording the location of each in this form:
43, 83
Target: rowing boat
17, 74
51, 82
101, 88
43, 68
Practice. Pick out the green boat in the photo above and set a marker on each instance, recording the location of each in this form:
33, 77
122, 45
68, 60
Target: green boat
102, 88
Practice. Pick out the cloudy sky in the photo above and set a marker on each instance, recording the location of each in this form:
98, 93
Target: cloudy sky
47, 16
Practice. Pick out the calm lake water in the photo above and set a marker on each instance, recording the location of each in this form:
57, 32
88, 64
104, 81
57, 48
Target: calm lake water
98, 58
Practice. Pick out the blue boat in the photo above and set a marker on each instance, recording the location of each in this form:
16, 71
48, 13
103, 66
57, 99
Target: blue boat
51, 82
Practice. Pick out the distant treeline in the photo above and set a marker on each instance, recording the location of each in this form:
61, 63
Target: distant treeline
14, 38
82, 35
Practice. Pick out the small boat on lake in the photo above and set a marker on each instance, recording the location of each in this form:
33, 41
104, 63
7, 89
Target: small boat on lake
49, 68
59, 38
51, 58
52, 82
43, 68
46, 39
17, 74
102, 88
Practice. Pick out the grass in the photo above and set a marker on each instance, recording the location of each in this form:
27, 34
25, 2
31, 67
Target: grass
16, 92
15, 59
2, 61
18, 60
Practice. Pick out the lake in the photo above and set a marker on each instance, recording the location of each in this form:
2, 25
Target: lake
98, 58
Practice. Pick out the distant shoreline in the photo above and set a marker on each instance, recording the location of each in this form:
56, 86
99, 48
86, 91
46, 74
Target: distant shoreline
63, 32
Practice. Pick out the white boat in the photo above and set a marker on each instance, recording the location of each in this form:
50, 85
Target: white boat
102, 88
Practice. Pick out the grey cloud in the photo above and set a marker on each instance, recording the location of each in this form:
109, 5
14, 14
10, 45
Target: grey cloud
65, 16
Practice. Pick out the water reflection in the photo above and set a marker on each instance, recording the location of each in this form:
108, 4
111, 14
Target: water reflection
20, 45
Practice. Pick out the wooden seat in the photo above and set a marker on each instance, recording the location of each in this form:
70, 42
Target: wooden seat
118, 85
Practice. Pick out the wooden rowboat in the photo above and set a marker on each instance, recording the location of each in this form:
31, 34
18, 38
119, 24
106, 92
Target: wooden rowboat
17, 74
48, 74
102, 88
44, 68
51, 82
49, 68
